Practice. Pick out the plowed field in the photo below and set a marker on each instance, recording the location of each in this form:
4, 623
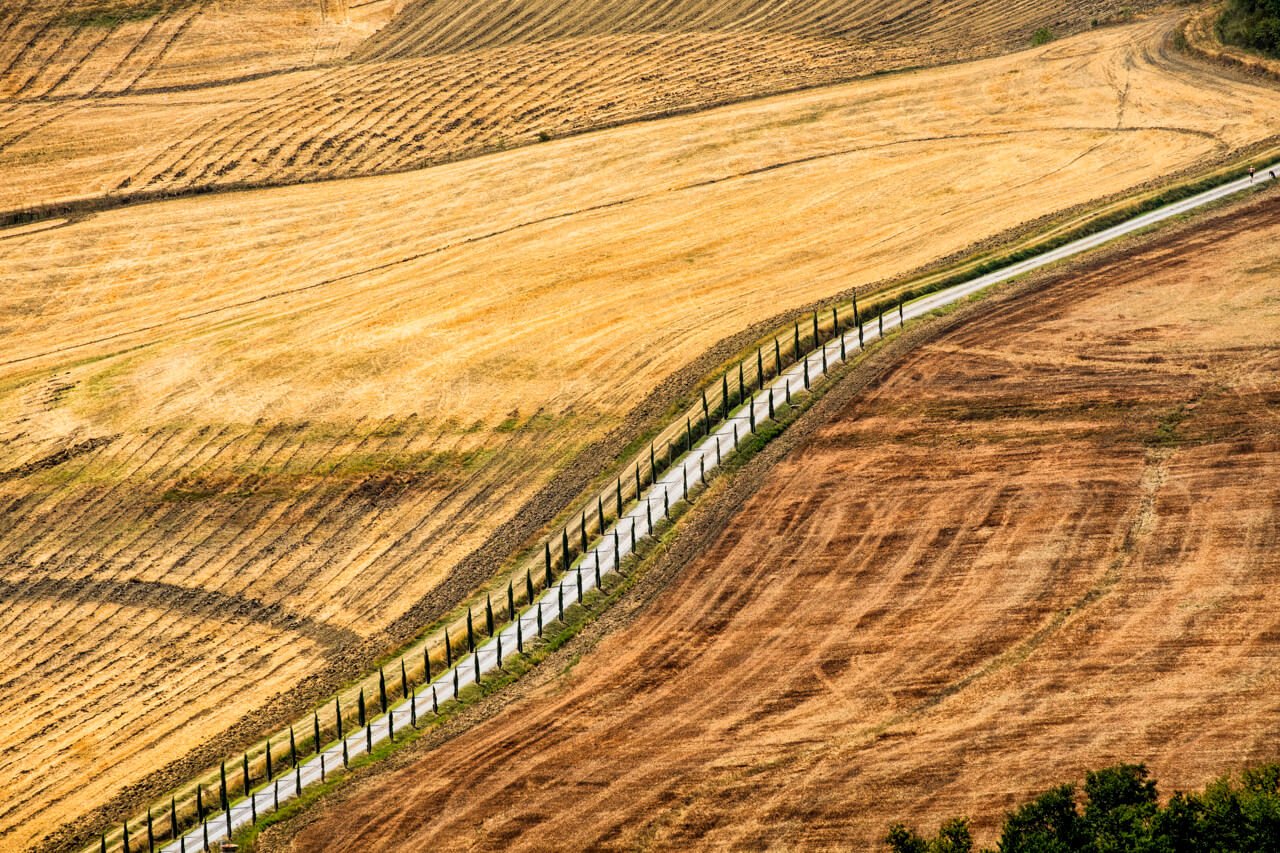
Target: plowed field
249, 439
91, 110
1044, 541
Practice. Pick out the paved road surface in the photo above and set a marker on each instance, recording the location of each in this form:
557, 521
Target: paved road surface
637, 523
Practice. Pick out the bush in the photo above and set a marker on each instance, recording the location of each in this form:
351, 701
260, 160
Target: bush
1122, 814
1041, 36
1252, 23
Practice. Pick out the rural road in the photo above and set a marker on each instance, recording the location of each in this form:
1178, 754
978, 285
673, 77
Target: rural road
638, 522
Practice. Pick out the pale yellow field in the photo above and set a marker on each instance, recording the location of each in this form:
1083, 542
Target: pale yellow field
243, 434
439, 81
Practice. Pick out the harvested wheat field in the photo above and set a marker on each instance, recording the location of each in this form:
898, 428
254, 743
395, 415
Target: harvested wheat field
104, 99
1042, 541
251, 440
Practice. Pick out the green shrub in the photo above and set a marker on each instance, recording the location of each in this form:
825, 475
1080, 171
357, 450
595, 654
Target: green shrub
1253, 24
1041, 36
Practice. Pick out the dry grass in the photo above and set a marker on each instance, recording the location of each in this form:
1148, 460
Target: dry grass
442, 80
297, 410
1045, 542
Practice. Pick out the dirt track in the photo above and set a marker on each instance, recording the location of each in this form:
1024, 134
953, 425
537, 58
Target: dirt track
1045, 541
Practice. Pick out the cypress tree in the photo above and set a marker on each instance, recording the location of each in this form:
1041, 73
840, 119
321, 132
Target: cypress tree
599, 514
861, 345
204, 827
648, 513
471, 633
633, 531
361, 718
770, 418
688, 435
293, 749
244, 772
777, 355
637, 481
582, 531
666, 504
368, 737
742, 386
227, 812
475, 660
759, 368
579, 583
547, 561
488, 615
519, 637
511, 600
391, 728
126, 836
815, 329
560, 599
702, 470
404, 691
222, 785
456, 688
684, 478
617, 547
382, 696
617, 492
564, 548
538, 617
597, 568
880, 317
426, 665
855, 306
151, 836
337, 715
735, 435
653, 465
900, 320
706, 411
724, 392
718, 443
253, 808
104, 842
806, 374
499, 651
797, 339
270, 775
173, 818
528, 586
413, 721
835, 321
255, 819
435, 704
276, 794
824, 361
751, 415
843, 357
448, 650
200, 799
787, 386
346, 756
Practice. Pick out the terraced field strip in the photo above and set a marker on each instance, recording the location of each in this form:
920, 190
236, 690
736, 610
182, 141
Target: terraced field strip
677, 483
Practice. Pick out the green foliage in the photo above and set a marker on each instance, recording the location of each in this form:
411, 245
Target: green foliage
1044, 35
1252, 23
1122, 814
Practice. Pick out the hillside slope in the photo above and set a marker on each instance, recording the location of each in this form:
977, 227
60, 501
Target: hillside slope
1047, 540
250, 440
446, 80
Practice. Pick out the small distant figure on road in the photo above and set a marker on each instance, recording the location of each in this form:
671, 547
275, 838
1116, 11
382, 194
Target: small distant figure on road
1272, 173
1250, 174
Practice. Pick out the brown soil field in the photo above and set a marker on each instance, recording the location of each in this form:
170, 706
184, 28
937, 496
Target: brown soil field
87, 114
250, 440
1043, 540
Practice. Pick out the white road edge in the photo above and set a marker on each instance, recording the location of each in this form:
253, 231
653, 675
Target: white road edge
621, 537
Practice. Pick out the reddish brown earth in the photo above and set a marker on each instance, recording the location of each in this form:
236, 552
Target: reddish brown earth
1044, 541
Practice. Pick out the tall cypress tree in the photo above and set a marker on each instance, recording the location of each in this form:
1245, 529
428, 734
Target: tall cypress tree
835, 321
448, 650
724, 392
382, 693
777, 356
173, 818
528, 586
222, 786
360, 713
488, 614
759, 368
511, 600
293, 748
742, 386
547, 555
471, 633
706, 411
337, 715
797, 338
900, 320
816, 339
151, 836
582, 530
426, 664
617, 492
404, 692
270, 775
564, 548
244, 772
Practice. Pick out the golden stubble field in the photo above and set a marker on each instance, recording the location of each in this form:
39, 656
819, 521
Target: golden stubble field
1042, 542
243, 434
259, 92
